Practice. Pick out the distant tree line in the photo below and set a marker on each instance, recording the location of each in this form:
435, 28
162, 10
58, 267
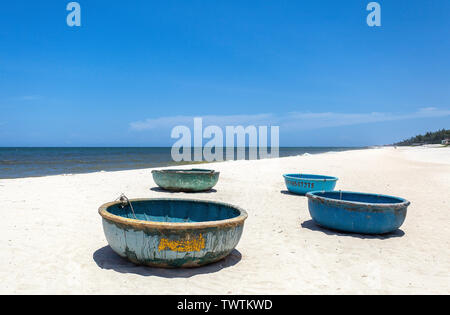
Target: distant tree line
428, 138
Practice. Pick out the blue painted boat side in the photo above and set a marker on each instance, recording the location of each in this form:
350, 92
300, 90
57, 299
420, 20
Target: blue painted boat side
383, 214
301, 184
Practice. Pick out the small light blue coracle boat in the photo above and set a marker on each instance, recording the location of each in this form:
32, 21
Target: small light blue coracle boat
194, 180
357, 212
172, 233
301, 184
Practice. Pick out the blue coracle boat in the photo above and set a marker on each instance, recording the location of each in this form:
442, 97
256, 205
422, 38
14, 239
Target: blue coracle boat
301, 184
357, 212
171, 233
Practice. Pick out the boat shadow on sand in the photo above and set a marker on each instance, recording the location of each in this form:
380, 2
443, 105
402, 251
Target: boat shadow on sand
287, 192
107, 259
311, 225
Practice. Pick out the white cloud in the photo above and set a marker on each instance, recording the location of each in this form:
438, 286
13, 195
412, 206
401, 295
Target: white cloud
290, 121
172, 121
330, 119
28, 98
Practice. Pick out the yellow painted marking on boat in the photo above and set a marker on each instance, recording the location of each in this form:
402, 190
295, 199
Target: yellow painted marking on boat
183, 246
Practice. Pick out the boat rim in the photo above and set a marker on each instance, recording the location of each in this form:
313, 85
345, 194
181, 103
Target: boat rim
186, 171
403, 202
324, 179
140, 224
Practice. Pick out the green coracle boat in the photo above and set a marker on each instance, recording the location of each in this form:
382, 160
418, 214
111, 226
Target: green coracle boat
193, 180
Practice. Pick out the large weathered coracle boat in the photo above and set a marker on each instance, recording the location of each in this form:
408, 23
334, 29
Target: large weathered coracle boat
357, 212
301, 184
172, 233
194, 180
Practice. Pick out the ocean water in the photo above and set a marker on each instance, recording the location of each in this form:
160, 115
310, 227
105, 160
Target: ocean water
33, 162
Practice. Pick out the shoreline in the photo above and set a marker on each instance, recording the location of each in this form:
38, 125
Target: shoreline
170, 164
53, 222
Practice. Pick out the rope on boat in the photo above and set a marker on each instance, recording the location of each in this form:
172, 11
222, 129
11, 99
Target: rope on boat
124, 199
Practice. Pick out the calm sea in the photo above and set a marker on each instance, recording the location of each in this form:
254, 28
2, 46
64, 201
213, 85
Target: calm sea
32, 162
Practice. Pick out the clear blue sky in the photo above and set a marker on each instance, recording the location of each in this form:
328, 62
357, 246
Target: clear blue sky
135, 69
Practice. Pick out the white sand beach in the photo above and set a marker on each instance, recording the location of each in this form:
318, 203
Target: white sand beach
52, 240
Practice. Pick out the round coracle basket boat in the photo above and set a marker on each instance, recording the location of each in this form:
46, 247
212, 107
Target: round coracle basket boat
301, 184
193, 180
172, 233
357, 212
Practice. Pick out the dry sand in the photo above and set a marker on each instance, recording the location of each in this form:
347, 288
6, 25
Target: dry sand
52, 240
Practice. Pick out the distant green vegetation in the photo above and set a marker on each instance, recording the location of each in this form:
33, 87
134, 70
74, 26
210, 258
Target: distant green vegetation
428, 138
